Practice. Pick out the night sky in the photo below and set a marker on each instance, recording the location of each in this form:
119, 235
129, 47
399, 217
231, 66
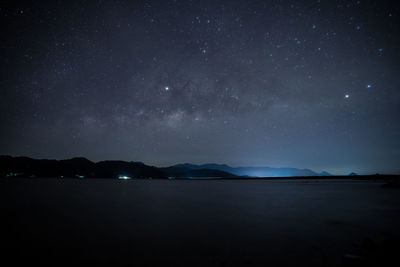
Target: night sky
305, 84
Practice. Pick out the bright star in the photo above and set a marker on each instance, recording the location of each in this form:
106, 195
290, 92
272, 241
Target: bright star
166, 88
346, 96
369, 85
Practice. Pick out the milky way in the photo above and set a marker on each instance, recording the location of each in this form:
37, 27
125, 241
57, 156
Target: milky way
306, 84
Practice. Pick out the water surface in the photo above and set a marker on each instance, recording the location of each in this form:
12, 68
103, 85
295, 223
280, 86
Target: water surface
196, 222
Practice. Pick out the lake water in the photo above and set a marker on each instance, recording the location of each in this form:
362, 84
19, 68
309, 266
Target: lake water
197, 222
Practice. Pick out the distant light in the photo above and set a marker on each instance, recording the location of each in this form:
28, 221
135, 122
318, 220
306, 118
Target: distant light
11, 174
80, 176
369, 85
124, 177
166, 88
346, 96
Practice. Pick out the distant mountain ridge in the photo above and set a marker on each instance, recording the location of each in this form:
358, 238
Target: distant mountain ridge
185, 172
83, 168
255, 171
76, 167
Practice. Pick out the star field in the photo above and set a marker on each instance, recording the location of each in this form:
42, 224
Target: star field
306, 84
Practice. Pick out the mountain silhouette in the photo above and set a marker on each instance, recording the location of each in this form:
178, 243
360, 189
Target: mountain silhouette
255, 171
187, 172
83, 168
75, 167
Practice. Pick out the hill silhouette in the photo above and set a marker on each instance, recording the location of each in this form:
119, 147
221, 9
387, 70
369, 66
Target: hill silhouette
75, 167
255, 171
80, 167
187, 172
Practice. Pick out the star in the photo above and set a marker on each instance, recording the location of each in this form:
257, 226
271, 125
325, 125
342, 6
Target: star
162, 74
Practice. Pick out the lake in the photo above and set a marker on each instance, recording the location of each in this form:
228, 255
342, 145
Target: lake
198, 222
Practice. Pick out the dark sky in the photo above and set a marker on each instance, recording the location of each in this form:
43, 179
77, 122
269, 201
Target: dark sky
306, 84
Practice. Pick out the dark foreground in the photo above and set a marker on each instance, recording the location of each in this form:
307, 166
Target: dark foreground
199, 223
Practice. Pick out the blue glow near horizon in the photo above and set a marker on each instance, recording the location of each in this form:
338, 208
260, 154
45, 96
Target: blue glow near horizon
124, 177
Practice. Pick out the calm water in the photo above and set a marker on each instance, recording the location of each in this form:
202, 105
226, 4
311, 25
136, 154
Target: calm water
181, 223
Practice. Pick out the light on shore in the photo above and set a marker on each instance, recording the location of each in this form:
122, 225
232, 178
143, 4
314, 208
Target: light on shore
124, 177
